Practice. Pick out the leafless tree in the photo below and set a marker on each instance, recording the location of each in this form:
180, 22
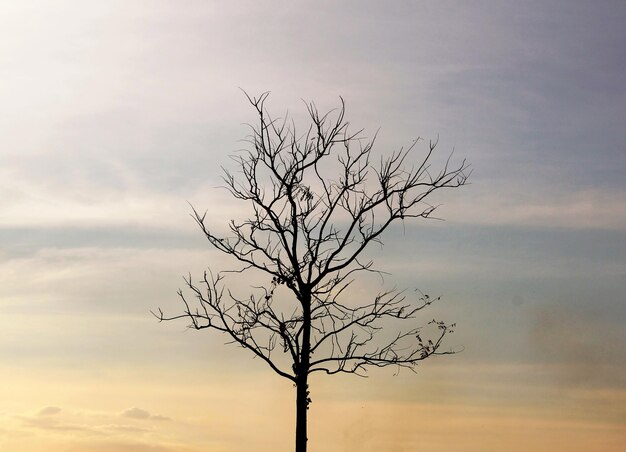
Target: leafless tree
317, 201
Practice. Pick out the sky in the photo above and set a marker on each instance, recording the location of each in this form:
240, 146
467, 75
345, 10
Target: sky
115, 115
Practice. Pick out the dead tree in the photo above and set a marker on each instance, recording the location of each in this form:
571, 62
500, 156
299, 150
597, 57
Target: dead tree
317, 201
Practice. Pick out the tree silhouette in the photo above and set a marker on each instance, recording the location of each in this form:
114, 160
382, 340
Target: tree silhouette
317, 201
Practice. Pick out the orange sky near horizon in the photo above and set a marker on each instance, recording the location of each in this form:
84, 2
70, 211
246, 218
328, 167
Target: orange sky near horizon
165, 410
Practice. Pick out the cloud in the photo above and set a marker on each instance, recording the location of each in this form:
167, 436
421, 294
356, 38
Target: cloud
582, 348
94, 424
139, 413
125, 428
31, 200
158, 417
49, 411
118, 446
136, 413
541, 207
54, 424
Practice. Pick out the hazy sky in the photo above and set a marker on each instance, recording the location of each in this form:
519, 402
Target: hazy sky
114, 114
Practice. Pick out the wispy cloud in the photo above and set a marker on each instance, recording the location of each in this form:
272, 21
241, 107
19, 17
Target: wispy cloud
139, 413
101, 429
58, 424
583, 209
49, 411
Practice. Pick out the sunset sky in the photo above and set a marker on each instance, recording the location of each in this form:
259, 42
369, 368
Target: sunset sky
115, 114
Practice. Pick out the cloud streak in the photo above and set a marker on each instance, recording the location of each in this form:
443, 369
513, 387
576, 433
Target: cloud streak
139, 413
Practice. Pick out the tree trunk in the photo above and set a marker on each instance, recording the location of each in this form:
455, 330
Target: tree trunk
302, 406
302, 378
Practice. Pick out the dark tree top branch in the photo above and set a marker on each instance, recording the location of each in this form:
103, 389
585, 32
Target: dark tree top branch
317, 201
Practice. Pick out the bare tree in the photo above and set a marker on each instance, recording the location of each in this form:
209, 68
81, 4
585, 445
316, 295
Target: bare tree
317, 202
